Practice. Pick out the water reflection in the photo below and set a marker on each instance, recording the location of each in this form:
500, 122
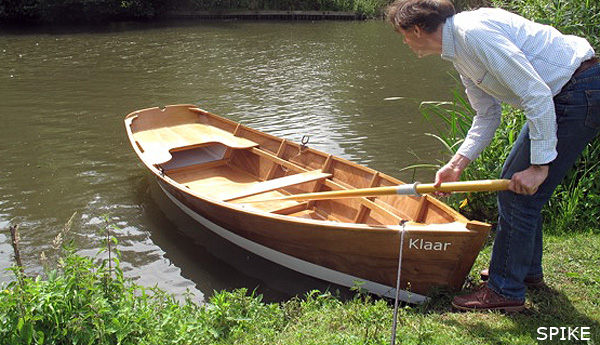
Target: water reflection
63, 147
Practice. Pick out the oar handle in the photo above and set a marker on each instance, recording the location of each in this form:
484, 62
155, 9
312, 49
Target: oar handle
462, 186
405, 189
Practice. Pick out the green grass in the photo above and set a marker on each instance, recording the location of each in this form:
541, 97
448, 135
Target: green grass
83, 300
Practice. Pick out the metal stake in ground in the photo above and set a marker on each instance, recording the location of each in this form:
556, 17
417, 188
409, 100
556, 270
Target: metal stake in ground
395, 321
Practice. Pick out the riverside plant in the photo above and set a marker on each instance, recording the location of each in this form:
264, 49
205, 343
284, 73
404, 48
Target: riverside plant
86, 300
452, 120
575, 204
581, 18
75, 303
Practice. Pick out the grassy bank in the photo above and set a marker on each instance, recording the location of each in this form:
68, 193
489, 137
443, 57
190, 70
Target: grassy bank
83, 300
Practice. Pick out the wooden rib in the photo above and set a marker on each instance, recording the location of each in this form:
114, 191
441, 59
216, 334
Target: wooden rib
319, 184
278, 183
363, 211
327, 216
327, 164
420, 209
237, 129
370, 204
292, 166
329, 183
229, 150
364, 201
275, 166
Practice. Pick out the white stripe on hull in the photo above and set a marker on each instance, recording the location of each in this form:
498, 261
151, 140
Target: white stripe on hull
296, 264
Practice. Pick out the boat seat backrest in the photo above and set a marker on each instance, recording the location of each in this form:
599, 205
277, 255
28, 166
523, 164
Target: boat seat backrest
157, 143
157, 118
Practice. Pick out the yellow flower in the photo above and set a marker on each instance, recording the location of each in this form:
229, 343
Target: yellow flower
464, 203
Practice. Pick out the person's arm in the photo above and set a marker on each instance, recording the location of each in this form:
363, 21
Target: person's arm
485, 122
528, 181
488, 113
509, 66
452, 170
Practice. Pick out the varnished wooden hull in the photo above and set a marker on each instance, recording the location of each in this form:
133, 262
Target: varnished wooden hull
342, 241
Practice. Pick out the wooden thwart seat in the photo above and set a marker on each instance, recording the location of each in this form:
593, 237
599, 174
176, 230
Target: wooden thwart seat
281, 182
329, 183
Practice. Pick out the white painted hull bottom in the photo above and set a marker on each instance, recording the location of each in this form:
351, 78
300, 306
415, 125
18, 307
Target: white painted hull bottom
296, 264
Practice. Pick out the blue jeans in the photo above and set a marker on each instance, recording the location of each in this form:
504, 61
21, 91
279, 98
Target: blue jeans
517, 251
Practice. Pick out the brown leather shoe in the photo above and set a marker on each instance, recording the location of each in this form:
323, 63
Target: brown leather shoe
486, 299
533, 283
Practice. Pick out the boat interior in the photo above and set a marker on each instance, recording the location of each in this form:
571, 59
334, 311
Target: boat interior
216, 158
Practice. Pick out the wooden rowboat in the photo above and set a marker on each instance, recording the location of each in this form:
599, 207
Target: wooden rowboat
211, 167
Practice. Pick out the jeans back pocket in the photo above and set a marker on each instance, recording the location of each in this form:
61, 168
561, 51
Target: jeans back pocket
593, 113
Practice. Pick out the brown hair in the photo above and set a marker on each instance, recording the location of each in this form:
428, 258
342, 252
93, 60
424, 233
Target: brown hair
426, 14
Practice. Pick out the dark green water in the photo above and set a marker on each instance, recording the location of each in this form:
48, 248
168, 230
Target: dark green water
353, 87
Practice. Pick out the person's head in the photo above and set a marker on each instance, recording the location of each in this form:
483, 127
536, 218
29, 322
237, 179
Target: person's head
420, 22
428, 15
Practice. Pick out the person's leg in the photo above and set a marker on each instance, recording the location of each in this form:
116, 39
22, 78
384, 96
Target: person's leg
517, 247
535, 275
518, 160
516, 234
535, 272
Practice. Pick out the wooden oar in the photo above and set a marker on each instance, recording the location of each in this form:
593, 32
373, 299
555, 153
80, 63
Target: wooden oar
405, 189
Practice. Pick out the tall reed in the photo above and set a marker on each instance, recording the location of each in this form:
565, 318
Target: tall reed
575, 204
581, 17
456, 117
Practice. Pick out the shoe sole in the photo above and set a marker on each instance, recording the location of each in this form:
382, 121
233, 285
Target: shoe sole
506, 309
